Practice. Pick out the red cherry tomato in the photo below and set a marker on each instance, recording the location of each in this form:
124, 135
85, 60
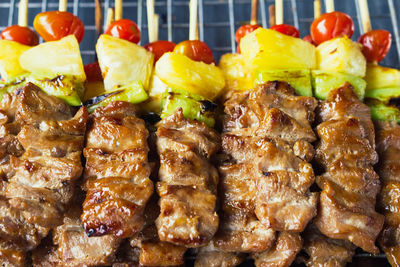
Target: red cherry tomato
93, 72
286, 29
331, 25
22, 35
245, 29
309, 39
125, 29
196, 50
54, 25
158, 48
376, 44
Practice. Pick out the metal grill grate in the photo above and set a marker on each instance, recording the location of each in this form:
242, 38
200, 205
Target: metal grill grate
218, 19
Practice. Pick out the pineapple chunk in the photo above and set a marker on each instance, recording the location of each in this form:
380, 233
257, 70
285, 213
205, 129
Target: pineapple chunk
123, 62
180, 72
381, 77
52, 59
9, 59
266, 49
237, 75
341, 55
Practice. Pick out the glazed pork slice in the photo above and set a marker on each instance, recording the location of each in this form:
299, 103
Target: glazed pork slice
188, 181
40, 165
116, 172
388, 168
346, 152
323, 251
150, 251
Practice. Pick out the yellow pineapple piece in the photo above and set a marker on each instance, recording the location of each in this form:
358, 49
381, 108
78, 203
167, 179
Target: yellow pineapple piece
237, 74
123, 62
51, 59
180, 72
341, 55
9, 59
266, 49
381, 77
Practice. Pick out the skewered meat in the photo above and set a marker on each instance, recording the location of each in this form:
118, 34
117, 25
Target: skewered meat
282, 254
75, 248
323, 251
264, 184
40, 165
210, 256
346, 151
152, 251
188, 181
116, 172
388, 147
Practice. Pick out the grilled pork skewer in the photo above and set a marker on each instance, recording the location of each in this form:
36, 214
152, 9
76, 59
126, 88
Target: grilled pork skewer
40, 164
388, 147
116, 172
264, 184
346, 151
188, 181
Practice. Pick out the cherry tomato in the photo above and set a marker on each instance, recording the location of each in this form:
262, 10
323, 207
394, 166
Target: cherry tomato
54, 25
376, 44
125, 29
196, 50
245, 29
309, 39
93, 72
286, 29
331, 25
158, 48
22, 35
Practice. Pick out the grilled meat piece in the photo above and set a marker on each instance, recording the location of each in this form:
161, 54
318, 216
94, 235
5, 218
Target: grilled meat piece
40, 164
282, 254
116, 172
188, 181
264, 185
388, 168
149, 249
346, 151
325, 252
75, 248
210, 256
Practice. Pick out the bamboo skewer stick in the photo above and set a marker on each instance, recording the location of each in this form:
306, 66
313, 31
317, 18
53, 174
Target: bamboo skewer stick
193, 25
329, 6
118, 9
150, 19
23, 13
317, 8
278, 12
110, 16
364, 13
271, 11
62, 5
254, 12
156, 25
98, 14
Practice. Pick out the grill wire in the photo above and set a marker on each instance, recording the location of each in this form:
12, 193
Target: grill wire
218, 21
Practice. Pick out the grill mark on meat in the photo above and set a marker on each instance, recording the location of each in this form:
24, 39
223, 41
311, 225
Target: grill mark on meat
116, 172
188, 181
267, 178
388, 168
346, 151
39, 183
